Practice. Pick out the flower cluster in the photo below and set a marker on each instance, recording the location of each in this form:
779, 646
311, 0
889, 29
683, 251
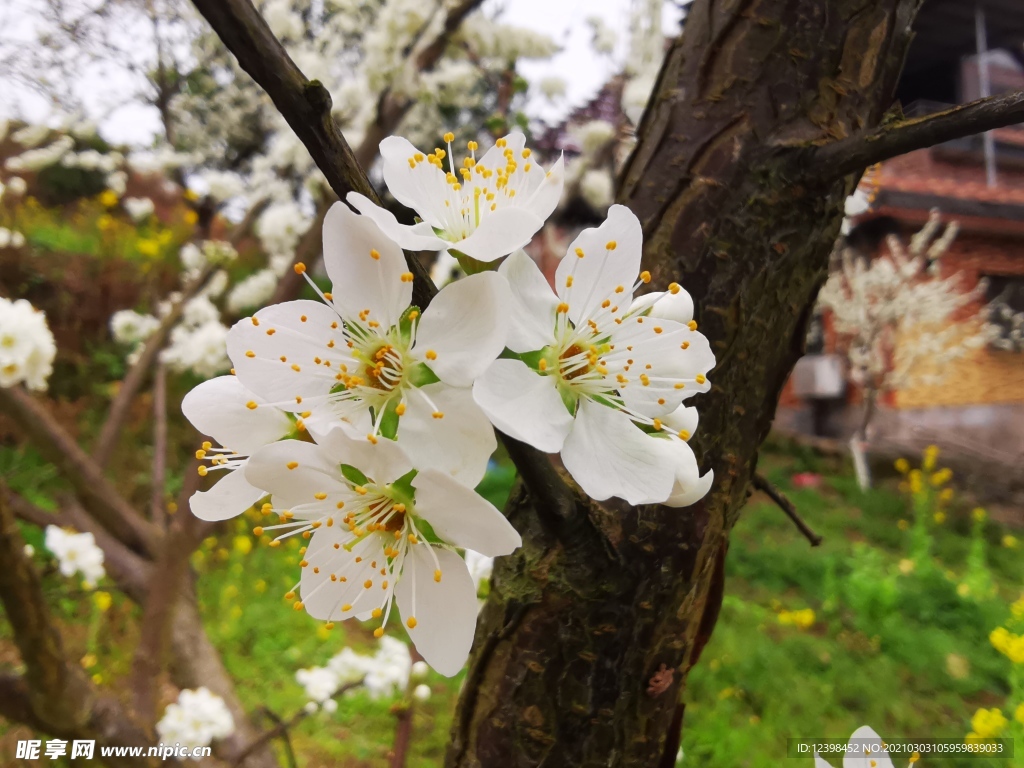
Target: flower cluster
76, 553
195, 719
383, 675
27, 347
369, 420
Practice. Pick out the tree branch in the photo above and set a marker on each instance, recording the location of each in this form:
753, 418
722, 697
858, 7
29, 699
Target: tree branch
304, 104
392, 107
97, 494
763, 484
157, 509
856, 153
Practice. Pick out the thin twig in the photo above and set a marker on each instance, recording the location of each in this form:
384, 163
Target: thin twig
854, 154
158, 511
763, 484
282, 726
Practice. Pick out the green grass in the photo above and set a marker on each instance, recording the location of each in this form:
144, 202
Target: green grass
902, 652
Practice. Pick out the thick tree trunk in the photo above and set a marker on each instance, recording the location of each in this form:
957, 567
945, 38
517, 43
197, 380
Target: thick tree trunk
583, 647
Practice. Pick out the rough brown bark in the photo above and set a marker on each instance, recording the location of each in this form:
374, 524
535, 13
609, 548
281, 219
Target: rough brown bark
568, 664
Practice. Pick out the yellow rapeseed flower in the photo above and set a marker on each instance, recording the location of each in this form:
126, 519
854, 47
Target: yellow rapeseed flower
939, 517
1019, 714
946, 494
979, 515
191, 217
931, 453
108, 198
915, 481
802, 619
941, 477
987, 723
103, 601
903, 525
902, 466
105, 222
242, 545
1010, 541
148, 247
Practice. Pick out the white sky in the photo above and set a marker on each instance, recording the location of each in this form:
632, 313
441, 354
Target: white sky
565, 20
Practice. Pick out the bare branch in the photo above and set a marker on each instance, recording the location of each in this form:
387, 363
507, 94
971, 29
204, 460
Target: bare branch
763, 484
304, 104
97, 494
157, 510
856, 153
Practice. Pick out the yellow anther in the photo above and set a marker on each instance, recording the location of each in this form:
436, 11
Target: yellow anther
255, 320
303, 563
657, 329
346, 607
449, 137
563, 308
320, 496
411, 623
292, 464
299, 268
330, 624
526, 153
296, 368
371, 438
500, 143
679, 385
375, 254
674, 288
289, 595
400, 410
202, 470
685, 345
438, 414
250, 353
298, 605
271, 331
328, 295
699, 378
692, 325
579, 253
377, 613
431, 355
257, 531
378, 632
568, 282
275, 543
542, 365
340, 505
437, 575
656, 424
200, 453
645, 276
407, 277
368, 583
684, 434
605, 304
207, 445
611, 245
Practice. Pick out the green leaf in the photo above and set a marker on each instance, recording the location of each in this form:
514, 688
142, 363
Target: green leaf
353, 475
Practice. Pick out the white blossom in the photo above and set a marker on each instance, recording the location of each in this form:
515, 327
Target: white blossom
598, 374
597, 189
27, 348
196, 719
16, 186
75, 553
367, 357
43, 157
201, 349
483, 208
552, 87
31, 135
604, 36
139, 208
253, 291
421, 692
365, 508
130, 327
593, 136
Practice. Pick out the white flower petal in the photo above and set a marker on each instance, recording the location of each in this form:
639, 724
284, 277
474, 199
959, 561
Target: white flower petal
281, 332
415, 237
523, 404
682, 419
325, 598
422, 188
365, 267
608, 456
464, 328
459, 444
462, 517
533, 304
500, 232
601, 271
229, 497
313, 472
866, 738
820, 762
674, 306
684, 496
544, 200
218, 408
382, 462
445, 610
